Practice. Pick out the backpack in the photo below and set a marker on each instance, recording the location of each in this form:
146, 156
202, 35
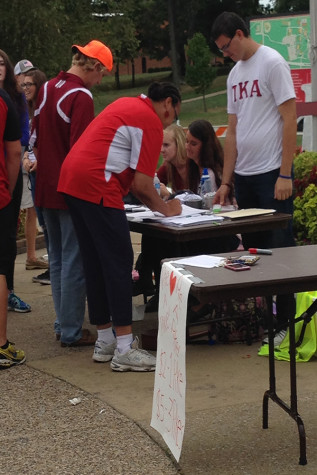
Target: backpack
242, 320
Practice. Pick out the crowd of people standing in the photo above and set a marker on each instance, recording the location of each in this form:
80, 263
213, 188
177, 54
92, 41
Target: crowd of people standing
72, 171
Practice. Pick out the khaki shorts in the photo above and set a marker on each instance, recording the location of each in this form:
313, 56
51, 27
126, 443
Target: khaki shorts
27, 200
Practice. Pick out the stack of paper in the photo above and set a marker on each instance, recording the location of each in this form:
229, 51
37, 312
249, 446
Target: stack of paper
192, 220
188, 217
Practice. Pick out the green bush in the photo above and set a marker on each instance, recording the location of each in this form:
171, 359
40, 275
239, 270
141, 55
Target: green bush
305, 203
304, 163
305, 216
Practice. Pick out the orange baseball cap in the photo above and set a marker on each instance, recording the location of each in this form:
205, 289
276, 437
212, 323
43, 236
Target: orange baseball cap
96, 49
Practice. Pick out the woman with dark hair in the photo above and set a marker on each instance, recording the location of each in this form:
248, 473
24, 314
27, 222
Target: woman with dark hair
117, 152
32, 82
9, 84
205, 151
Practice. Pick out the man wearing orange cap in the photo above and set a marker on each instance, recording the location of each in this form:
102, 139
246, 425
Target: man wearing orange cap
64, 109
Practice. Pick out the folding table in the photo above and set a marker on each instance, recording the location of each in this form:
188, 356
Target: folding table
287, 270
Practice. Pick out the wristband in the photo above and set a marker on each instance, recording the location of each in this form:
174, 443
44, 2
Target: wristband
226, 184
285, 177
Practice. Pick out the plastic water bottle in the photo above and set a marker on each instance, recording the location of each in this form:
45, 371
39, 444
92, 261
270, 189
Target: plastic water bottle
157, 184
205, 183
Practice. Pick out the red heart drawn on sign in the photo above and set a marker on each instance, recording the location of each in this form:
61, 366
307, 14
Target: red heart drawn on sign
172, 282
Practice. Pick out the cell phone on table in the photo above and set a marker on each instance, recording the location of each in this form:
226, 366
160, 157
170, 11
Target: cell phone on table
237, 266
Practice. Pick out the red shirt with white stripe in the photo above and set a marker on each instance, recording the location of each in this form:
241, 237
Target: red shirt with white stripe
64, 109
125, 137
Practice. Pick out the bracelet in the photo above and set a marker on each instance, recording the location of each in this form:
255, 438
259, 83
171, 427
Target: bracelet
285, 177
226, 184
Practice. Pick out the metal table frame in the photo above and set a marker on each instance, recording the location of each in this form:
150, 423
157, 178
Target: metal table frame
287, 270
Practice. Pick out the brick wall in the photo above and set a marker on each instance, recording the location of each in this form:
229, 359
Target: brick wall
143, 63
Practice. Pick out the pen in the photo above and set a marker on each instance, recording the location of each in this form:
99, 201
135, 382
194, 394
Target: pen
253, 250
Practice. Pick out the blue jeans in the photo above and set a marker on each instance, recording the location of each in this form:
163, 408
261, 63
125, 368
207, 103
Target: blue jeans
257, 191
39, 213
66, 273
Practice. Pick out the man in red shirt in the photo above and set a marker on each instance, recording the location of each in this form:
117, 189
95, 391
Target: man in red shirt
117, 152
64, 109
10, 153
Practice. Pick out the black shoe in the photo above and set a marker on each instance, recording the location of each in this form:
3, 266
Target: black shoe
43, 278
152, 305
201, 315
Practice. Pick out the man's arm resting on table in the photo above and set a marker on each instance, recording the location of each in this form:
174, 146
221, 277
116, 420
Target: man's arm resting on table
230, 157
284, 186
143, 188
13, 158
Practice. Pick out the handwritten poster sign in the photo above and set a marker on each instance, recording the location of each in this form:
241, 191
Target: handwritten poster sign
168, 410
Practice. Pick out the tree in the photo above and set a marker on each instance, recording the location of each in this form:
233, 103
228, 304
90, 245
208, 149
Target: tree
154, 26
199, 72
172, 37
290, 6
45, 32
123, 43
120, 31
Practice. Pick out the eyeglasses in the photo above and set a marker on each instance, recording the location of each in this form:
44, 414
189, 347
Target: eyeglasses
226, 46
27, 85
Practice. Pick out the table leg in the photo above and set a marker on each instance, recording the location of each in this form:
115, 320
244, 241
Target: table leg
293, 410
271, 393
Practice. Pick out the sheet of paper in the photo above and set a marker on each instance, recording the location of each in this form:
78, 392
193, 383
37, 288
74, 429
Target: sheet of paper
244, 213
168, 410
139, 216
202, 261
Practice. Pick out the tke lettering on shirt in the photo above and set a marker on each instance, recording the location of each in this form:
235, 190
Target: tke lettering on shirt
246, 90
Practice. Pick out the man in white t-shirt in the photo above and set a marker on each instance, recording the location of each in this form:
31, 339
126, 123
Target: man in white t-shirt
261, 136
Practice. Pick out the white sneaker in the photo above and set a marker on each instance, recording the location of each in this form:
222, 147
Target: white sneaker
104, 352
133, 360
279, 337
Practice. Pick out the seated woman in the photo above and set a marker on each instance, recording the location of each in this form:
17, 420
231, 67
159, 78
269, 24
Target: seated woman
203, 150
174, 170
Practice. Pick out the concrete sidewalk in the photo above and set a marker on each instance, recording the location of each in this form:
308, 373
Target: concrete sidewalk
109, 431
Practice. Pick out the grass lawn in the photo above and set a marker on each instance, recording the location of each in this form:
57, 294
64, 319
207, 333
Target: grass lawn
216, 113
192, 110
